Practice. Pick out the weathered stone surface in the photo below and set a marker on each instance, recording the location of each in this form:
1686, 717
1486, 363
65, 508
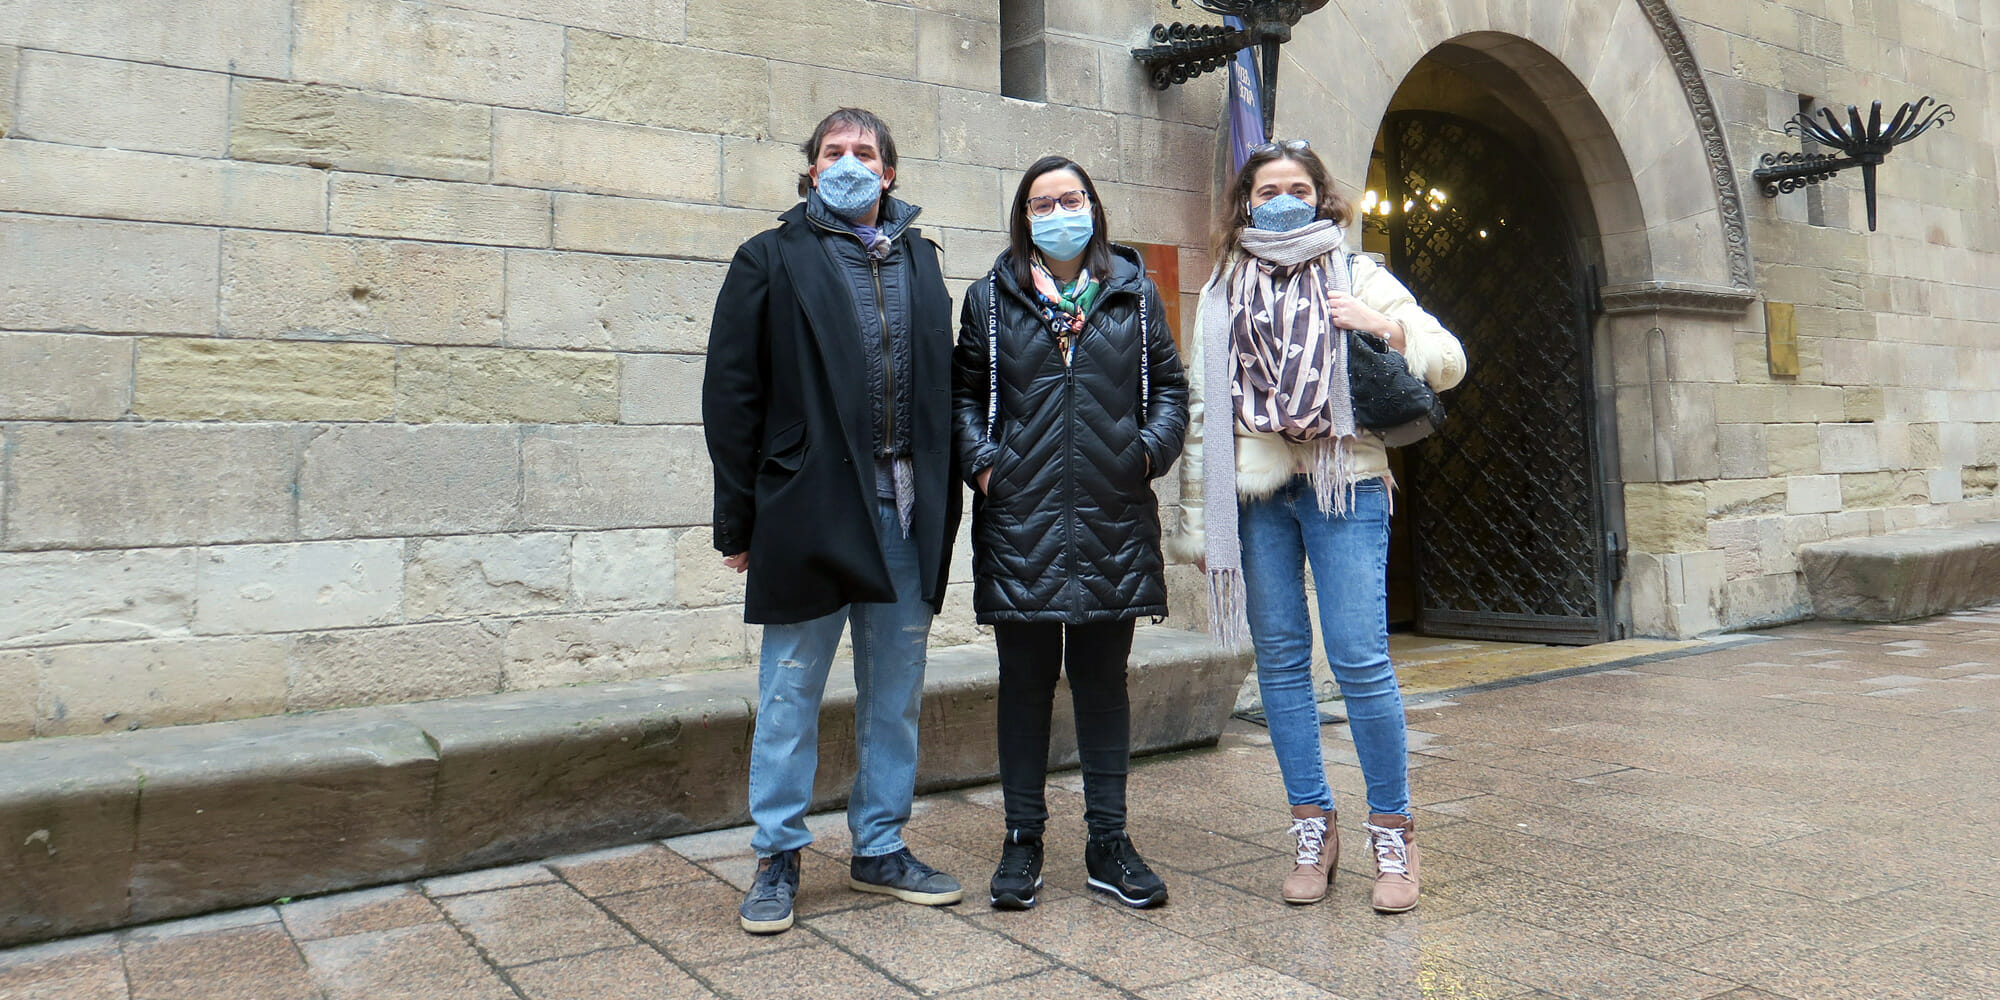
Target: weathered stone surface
802, 95
577, 154
662, 19
55, 376
180, 378
1812, 494
1905, 574
1849, 448
958, 51
501, 385
299, 586
1884, 489
998, 132
438, 210
251, 37
615, 477
1792, 449
1666, 517
1740, 447
130, 105
587, 649
875, 38
604, 224
18, 683
765, 175
1979, 480
700, 578
110, 686
388, 666
67, 816
53, 179
623, 569
268, 808
429, 49
362, 480
61, 597
588, 300
659, 388
646, 82
276, 285
1731, 498
10, 58
144, 278
345, 129
97, 485
466, 575
967, 197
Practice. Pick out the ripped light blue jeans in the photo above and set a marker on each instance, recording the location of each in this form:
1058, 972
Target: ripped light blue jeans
1350, 560
889, 644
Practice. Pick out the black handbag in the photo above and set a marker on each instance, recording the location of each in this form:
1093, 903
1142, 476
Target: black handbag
1389, 400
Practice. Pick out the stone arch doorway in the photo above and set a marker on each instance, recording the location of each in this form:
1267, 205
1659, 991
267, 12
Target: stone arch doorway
1502, 534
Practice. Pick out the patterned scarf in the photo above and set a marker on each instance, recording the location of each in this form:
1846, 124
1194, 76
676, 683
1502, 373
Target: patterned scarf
1065, 307
1290, 364
1223, 314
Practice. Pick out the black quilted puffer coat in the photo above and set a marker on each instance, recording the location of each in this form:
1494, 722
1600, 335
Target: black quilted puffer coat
1069, 529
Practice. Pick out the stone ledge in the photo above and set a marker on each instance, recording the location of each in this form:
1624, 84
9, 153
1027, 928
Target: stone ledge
1904, 574
105, 831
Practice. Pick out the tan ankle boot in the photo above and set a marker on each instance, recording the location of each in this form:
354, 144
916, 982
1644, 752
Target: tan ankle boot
1392, 839
1318, 841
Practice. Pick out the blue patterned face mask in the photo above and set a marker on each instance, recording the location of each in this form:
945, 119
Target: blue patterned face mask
1282, 214
849, 188
1063, 235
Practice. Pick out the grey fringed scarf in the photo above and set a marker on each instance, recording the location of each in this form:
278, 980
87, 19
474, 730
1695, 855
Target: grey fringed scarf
1287, 338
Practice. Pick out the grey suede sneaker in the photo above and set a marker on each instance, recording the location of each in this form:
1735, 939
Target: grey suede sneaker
767, 907
901, 875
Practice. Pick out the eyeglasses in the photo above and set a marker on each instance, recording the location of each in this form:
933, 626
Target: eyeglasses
1288, 145
1071, 201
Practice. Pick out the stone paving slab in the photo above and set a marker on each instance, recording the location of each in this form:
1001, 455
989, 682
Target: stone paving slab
1803, 815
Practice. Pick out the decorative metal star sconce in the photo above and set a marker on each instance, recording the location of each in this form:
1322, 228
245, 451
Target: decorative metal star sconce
1865, 146
1181, 52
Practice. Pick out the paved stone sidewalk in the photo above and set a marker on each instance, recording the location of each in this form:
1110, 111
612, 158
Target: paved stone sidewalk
1805, 816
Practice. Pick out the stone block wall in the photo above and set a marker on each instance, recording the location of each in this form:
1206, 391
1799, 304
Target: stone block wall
350, 349
1893, 420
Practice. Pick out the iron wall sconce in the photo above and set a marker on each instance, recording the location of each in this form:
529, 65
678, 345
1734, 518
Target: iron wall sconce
1181, 52
1865, 146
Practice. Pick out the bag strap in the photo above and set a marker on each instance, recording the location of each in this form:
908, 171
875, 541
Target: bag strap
992, 352
1145, 362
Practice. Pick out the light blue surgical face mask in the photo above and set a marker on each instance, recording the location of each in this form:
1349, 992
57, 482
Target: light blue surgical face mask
1282, 214
1062, 235
849, 188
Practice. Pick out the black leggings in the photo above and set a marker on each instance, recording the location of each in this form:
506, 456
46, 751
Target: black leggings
1032, 655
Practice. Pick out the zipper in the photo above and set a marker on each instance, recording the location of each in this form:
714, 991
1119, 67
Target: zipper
888, 359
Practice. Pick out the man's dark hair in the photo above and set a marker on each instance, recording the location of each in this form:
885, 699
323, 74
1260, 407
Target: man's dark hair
856, 118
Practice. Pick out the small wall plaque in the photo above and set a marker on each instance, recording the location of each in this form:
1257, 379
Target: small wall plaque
1782, 338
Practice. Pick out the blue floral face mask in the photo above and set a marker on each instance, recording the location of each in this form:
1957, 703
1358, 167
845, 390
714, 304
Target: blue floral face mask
1282, 214
1063, 235
849, 188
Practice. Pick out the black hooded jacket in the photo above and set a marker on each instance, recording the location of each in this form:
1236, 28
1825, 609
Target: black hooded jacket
1069, 528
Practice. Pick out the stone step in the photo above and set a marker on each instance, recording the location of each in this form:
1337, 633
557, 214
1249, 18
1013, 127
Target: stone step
1904, 574
105, 831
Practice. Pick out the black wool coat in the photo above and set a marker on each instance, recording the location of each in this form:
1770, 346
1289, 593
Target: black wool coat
1069, 529
785, 407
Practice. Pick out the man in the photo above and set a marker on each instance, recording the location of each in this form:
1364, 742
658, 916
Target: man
827, 403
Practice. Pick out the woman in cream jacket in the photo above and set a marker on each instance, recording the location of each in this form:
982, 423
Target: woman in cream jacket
1257, 504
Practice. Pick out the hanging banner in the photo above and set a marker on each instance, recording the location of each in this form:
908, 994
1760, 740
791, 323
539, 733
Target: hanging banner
1246, 110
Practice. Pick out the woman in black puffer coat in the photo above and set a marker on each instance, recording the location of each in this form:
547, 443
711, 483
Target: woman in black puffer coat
1068, 400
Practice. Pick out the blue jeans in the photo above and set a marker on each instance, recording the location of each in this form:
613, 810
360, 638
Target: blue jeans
1350, 560
889, 644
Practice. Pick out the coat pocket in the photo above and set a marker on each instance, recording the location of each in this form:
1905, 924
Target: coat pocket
785, 451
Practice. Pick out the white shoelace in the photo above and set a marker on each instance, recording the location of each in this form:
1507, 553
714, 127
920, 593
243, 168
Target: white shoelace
1392, 856
1310, 831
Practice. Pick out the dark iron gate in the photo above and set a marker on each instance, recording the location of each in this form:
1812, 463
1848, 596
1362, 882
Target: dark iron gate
1508, 518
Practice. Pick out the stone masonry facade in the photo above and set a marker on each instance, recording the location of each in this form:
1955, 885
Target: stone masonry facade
349, 349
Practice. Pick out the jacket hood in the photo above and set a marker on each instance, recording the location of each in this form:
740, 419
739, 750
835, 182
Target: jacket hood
1128, 271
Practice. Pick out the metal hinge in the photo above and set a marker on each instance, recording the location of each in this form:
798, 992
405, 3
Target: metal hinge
1614, 555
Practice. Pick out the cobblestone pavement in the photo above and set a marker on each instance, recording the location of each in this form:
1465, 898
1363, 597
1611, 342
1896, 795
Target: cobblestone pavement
1806, 815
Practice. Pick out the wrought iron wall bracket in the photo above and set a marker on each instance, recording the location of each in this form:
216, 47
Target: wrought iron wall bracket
1866, 145
1181, 52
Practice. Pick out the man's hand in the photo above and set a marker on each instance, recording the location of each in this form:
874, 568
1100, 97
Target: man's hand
738, 562
980, 480
1348, 313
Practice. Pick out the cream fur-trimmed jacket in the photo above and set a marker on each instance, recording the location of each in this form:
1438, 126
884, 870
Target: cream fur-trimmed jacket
1265, 462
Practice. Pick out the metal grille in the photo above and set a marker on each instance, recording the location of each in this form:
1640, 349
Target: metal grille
1508, 522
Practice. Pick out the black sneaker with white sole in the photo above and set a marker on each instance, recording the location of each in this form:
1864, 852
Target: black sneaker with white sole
767, 907
901, 875
1116, 868
1020, 871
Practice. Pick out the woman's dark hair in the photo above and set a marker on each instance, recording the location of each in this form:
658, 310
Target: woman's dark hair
1021, 240
856, 118
1234, 213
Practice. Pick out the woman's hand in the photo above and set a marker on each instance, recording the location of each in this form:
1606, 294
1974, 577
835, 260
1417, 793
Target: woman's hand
980, 480
1348, 313
739, 562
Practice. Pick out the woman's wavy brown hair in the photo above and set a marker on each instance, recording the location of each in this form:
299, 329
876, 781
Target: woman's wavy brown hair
1234, 213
